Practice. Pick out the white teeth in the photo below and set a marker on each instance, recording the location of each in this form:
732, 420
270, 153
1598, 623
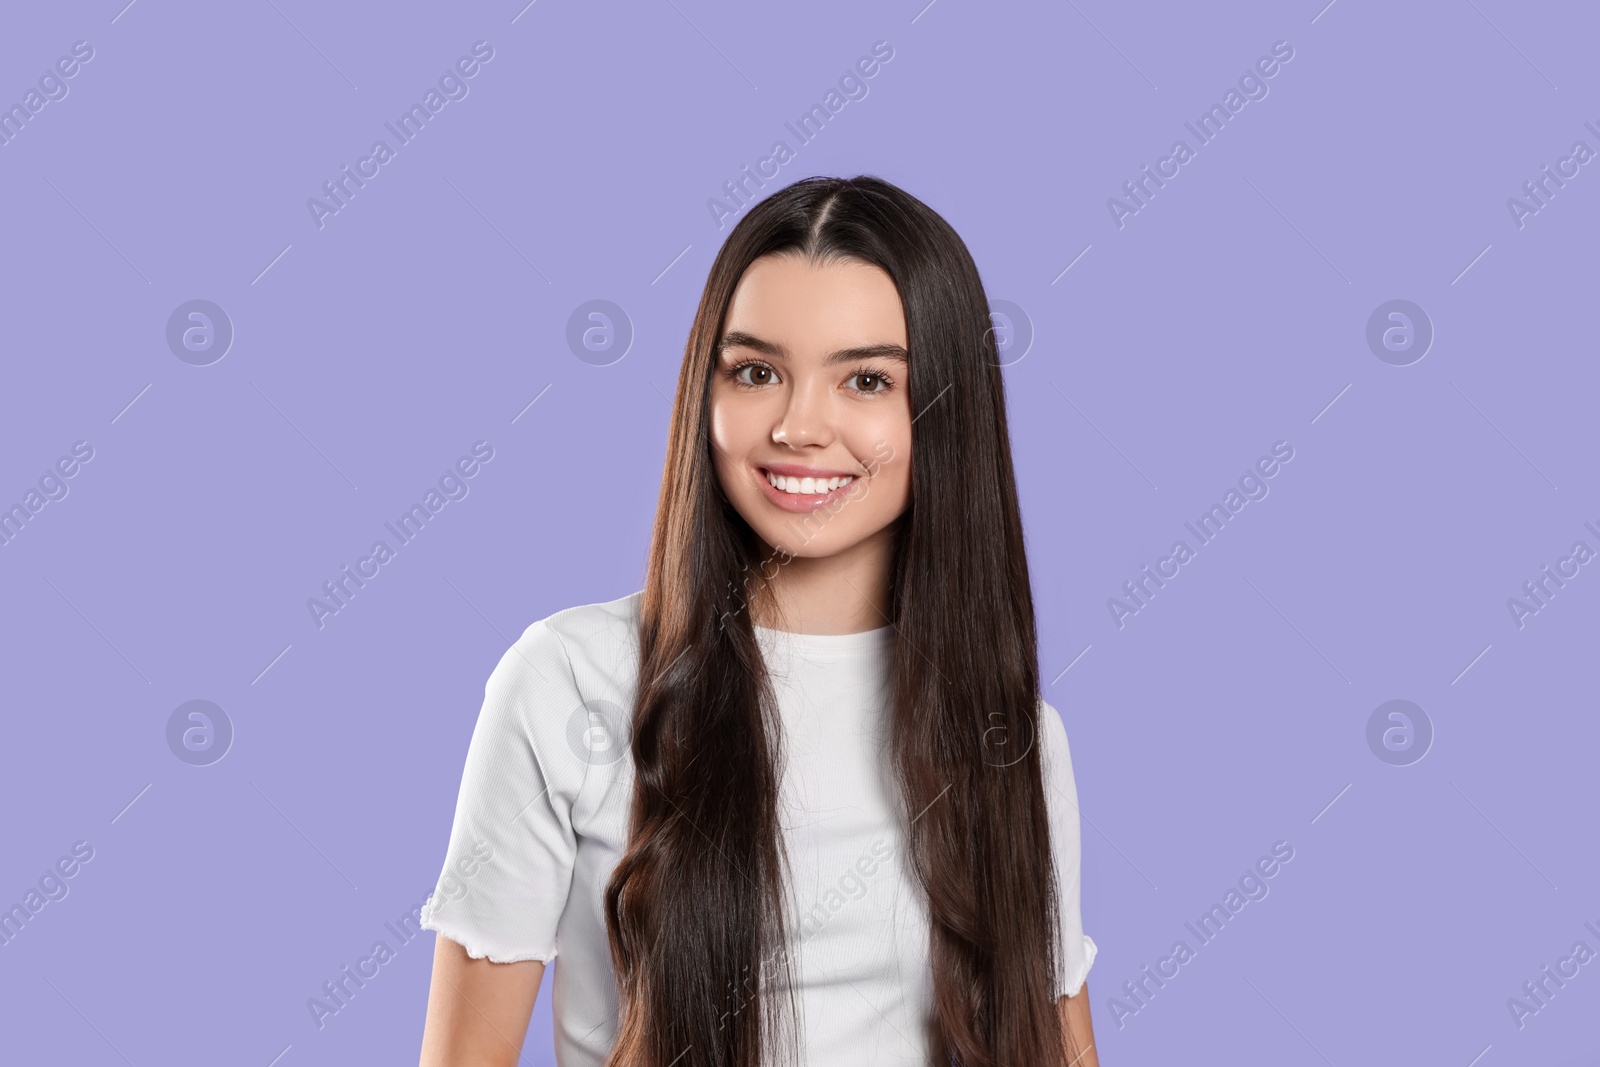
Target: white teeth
807, 486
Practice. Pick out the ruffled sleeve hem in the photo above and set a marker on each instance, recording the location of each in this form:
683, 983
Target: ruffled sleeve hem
1074, 985
480, 950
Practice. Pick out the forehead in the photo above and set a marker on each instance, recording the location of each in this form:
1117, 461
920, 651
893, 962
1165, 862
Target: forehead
810, 308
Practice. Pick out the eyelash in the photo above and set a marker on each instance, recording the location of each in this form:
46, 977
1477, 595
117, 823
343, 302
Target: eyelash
866, 372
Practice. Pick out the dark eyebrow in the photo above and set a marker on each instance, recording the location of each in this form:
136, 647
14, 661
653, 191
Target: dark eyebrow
737, 339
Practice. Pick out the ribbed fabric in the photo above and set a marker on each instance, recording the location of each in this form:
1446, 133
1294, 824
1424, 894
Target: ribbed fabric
542, 812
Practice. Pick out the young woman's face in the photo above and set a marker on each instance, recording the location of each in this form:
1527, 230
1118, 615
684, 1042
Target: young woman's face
811, 386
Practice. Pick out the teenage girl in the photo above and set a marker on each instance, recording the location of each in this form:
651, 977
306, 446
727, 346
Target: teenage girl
797, 800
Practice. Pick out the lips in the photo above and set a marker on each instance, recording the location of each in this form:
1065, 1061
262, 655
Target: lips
812, 484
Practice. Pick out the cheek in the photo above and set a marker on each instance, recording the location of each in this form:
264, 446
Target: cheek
722, 436
724, 469
732, 425
889, 450
717, 412
894, 478
732, 445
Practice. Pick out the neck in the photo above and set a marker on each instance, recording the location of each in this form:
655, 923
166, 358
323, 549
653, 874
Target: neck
843, 593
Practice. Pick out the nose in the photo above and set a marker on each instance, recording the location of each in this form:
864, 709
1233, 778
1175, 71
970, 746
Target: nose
807, 417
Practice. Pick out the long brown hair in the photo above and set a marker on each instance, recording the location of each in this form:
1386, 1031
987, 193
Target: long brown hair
694, 909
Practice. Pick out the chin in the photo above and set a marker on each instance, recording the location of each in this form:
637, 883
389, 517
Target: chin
835, 537
816, 548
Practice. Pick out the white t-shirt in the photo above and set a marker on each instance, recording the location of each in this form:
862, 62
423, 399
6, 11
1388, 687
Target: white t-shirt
541, 821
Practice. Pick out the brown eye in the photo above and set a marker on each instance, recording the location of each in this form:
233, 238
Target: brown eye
755, 370
875, 382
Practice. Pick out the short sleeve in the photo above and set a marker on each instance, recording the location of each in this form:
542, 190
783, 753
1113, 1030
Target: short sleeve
508, 865
1061, 797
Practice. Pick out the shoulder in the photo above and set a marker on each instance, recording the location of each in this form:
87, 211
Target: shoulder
598, 629
566, 675
1055, 753
566, 668
584, 640
1052, 730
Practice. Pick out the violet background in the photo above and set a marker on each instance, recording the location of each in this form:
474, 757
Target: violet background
1228, 314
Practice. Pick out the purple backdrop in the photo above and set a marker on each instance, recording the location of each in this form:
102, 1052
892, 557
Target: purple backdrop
1372, 256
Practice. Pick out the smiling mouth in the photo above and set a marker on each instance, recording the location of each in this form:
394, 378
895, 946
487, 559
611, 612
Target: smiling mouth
806, 486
